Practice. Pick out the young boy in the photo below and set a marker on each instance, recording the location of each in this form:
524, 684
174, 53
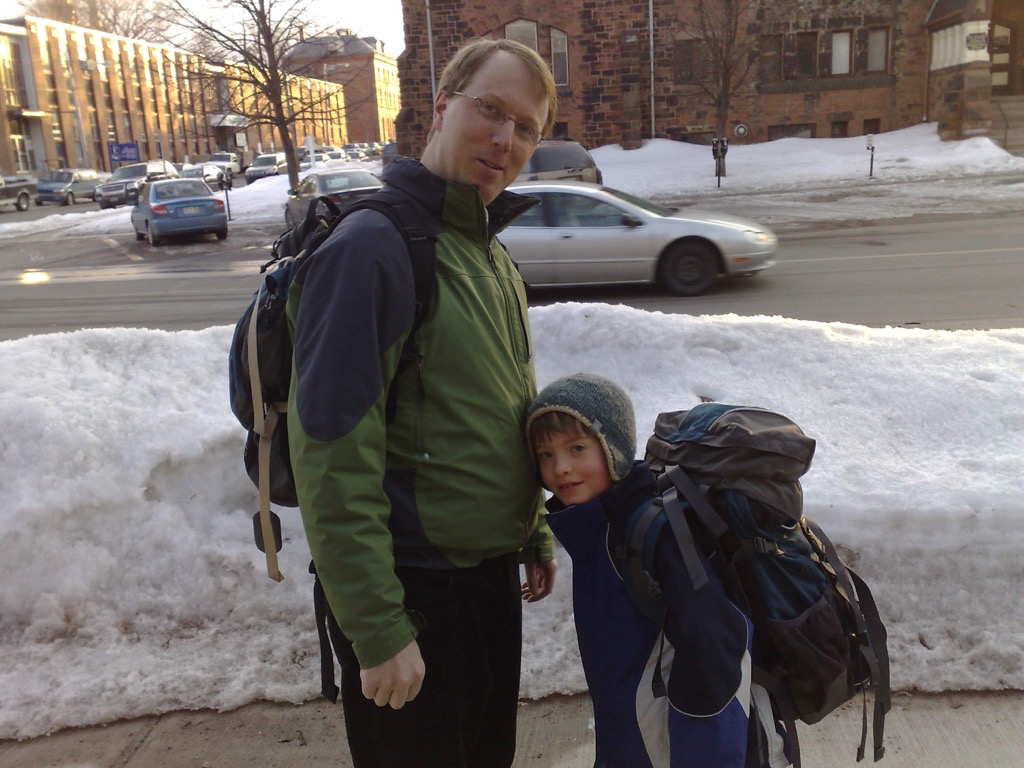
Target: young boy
583, 435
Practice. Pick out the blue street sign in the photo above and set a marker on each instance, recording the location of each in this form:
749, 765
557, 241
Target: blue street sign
123, 153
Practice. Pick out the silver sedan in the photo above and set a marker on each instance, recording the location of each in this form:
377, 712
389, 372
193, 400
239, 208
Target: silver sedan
585, 234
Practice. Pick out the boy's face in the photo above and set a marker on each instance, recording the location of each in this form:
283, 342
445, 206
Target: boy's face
573, 466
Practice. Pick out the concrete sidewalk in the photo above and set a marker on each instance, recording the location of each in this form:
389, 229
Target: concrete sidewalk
952, 730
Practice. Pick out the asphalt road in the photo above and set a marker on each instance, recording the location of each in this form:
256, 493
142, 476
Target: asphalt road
941, 272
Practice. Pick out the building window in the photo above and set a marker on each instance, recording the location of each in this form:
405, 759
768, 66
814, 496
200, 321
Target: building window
560, 56
840, 129
878, 50
841, 50
770, 61
522, 31
691, 59
806, 62
872, 125
798, 130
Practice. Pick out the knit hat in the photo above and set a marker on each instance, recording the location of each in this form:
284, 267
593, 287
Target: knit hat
602, 406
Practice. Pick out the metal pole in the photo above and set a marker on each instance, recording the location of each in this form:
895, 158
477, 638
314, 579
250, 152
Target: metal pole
430, 52
650, 25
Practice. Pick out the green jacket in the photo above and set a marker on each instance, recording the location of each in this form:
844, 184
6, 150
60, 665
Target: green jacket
449, 481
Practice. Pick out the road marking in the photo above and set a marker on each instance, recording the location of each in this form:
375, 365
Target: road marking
860, 257
117, 246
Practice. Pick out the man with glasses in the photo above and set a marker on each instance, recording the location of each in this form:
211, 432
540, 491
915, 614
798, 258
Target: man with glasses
418, 516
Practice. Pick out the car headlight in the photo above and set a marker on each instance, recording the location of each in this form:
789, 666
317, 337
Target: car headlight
760, 237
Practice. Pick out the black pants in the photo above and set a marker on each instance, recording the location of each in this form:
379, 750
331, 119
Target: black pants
465, 714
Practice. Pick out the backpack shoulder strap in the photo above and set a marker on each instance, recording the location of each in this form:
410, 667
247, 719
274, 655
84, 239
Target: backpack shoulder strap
419, 236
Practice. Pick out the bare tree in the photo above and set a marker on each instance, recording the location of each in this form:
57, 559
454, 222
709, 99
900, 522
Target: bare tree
721, 27
254, 38
137, 19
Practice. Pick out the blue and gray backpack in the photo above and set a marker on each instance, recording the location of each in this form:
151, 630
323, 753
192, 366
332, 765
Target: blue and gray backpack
729, 478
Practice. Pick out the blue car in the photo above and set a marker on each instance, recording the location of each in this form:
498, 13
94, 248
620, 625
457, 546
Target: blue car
178, 207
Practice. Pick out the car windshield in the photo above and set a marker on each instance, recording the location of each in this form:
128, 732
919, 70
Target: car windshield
555, 157
192, 173
222, 156
181, 188
343, 181
128, 172
265, 160
64, 176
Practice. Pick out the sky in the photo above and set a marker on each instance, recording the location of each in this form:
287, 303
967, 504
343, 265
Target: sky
381, 19
132, 587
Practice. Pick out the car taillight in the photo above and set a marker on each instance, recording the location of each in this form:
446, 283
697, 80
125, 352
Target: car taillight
160, 209
218, 205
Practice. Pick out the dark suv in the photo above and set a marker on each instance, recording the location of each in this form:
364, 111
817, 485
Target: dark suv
123, 185
559, 159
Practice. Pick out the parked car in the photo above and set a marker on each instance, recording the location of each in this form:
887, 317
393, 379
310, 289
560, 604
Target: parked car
178, 207
16, 192
270, 164
123, 185
226, 160
317, 158
342, 186
67, 186
208, 172
556, 159
585, 234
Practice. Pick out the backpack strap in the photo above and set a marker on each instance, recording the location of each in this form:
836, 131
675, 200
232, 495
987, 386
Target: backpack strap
875, 652
264, 420
412, 224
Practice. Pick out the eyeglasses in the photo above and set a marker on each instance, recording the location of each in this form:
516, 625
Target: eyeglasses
492, 113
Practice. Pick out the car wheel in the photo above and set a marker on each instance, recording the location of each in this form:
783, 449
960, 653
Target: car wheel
154, 241
22, 203
222, 234
289, 220
138, 235
688, 268
70, 199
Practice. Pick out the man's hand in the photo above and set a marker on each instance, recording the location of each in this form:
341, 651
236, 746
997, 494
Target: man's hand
540, 580
397, 681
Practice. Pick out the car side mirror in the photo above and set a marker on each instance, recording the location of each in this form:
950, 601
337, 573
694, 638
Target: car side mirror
629, 220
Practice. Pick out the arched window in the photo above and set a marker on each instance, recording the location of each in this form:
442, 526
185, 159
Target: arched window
522, 31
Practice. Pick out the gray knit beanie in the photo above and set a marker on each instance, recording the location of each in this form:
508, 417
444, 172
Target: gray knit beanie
602, 406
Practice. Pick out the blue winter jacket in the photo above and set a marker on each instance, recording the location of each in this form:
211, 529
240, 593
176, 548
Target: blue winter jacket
703, 652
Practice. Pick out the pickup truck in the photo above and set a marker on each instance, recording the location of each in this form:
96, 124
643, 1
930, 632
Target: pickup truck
16, 192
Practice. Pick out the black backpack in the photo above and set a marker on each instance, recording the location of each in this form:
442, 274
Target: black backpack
729, 482
260, 359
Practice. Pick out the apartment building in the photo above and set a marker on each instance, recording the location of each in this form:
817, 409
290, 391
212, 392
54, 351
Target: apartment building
70, 94
631, 69
368, 75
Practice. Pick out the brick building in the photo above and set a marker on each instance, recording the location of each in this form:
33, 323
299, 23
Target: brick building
69, 91
630, 69
368, 75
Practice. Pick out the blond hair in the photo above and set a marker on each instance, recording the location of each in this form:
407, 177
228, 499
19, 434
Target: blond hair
471, 56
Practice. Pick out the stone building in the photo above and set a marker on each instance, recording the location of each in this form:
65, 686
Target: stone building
69, 93
631, 69
368, 75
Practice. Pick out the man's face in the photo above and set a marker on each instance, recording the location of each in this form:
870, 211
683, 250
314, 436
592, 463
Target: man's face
468, 148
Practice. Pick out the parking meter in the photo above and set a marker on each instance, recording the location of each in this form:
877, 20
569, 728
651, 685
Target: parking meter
871, 149
718, 149
225, 180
